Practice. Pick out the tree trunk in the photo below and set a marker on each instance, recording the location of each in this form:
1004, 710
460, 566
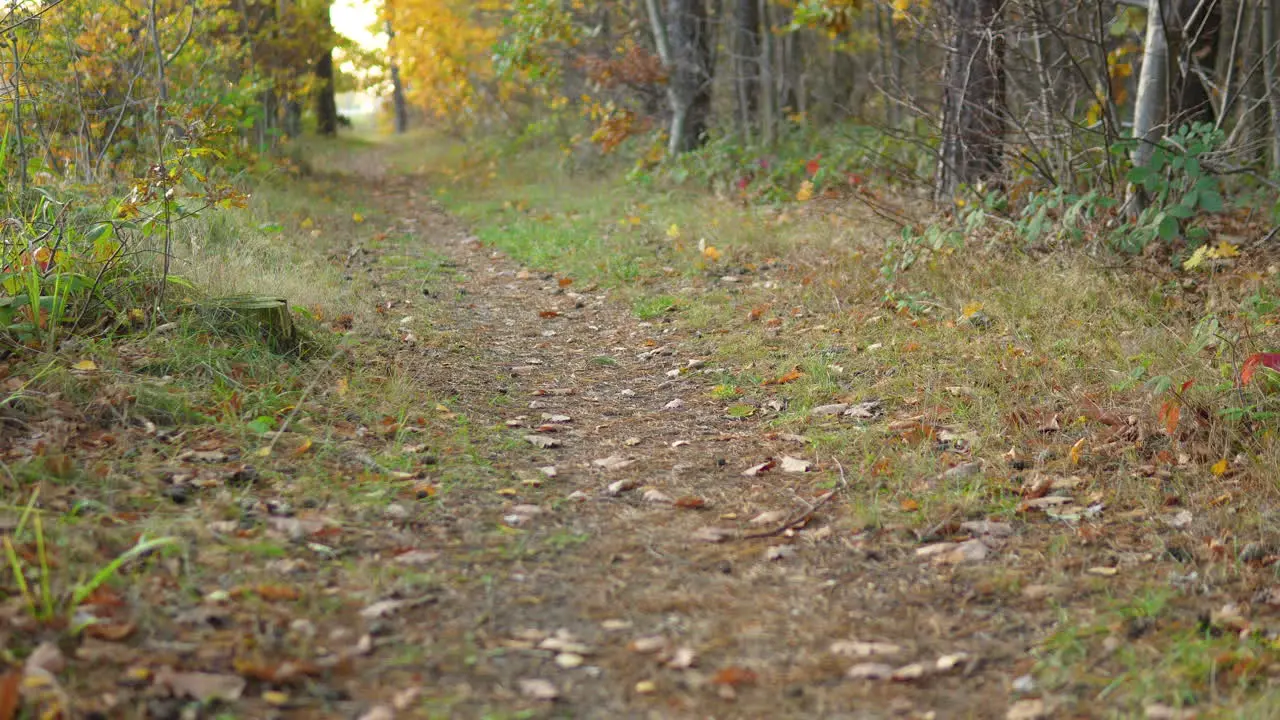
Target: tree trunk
401, 107
746, 62
973, 114
326, 102
768, 86
1148, 111
1269, 50
689, 41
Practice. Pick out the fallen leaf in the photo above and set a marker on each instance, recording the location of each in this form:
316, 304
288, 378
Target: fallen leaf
379, 712
10, 695
755, 470
538, 689
1032, 709
833, 409
542, 441
795, 465
648, 645
613, 462
85, 366
656, 497
47, 657
712, 534
792, 376
204, 687
548, 314
621, 486
735, 676
382, 608
855, 648
1076, 450
772, 517
870, 671
690, 502
907, 673
1219, 468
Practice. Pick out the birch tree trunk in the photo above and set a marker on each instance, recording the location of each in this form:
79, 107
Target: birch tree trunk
1149, 105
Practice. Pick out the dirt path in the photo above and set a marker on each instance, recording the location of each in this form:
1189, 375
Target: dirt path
640, 549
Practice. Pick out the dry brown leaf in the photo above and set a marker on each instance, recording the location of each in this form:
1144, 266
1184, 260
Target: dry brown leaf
542, 441
795, 465
735, 676
10, 694
538, 689
613, 462
204, 687
755, 470
870, 671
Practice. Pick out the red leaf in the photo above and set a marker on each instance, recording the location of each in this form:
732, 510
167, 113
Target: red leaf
812, 166
1267, 360
1187, 385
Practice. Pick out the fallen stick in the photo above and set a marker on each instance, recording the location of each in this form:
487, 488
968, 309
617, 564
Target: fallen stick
799, 519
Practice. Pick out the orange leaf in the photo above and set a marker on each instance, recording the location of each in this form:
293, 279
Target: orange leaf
277, 592
565, 282
548, 314
909, 505
10, 695
735, 676
1169, 414
792, 376
690, 502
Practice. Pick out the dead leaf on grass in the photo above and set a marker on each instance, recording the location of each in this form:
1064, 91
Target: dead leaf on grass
795, 465
542, 441
755, 470
690, 502
617, 488
10, 694
204, 687
954, 553
382, 608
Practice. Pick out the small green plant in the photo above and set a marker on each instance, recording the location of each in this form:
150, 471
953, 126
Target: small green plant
1177, 188
42, 602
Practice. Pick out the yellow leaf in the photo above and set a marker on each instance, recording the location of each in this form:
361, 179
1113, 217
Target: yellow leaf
1224, 249
307, 223
1219, 468
357, 217
1196, 259
711, 253
264, 451
1076, 450
673, 232
971, 309
342, 387
805, 193
85, 365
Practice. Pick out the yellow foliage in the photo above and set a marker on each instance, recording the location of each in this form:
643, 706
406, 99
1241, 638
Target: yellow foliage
805, 194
